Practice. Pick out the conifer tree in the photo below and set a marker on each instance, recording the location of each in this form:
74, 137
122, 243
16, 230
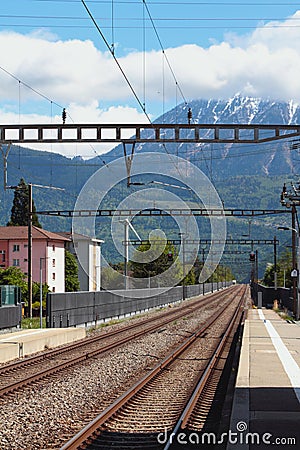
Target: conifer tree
20, 208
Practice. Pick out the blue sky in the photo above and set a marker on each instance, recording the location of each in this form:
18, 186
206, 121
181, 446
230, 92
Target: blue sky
177, 22
215, 49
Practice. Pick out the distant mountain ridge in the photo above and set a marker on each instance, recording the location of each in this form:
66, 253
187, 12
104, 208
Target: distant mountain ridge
221, 162
273, 158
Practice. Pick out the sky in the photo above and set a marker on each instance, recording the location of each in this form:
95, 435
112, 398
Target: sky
53, 56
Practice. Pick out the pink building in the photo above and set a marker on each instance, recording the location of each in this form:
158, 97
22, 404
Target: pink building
48, 250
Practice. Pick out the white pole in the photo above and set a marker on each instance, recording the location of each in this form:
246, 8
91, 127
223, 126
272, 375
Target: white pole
126, 228
128, 224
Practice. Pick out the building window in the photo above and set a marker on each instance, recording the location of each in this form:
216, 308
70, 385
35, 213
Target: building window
25, 245
16, 248
53, 289
2, 253
53, 276
16, 262
25, 259
53, 248
53, 262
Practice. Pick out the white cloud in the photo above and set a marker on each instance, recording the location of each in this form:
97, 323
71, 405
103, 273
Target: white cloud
74, 73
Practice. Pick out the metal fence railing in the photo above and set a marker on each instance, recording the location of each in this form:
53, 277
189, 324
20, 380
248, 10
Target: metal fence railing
87, 308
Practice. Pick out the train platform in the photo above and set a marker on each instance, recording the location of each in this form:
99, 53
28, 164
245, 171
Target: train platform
266, 404
26, 342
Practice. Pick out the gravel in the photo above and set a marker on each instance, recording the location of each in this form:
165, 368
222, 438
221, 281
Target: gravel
45, 415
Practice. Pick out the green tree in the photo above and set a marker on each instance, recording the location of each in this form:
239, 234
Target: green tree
36, 295
20, 208
112, 277
268, 279
159, 262
284, 268
71, 273
190, 278
221, 273
14, 276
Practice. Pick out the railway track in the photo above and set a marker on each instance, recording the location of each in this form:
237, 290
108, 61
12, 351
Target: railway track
175, 395
22, 373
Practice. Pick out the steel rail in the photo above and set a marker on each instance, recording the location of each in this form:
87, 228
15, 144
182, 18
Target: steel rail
186, 414
87, 341
189, 309
90, 431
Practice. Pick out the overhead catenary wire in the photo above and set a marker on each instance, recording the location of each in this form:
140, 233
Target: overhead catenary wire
165, 19
116, 60
165, 58
175, 3
173, 27
163, 51
142, 105
52, 102
30, 87
125, 76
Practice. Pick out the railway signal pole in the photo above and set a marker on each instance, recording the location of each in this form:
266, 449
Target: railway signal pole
290, 198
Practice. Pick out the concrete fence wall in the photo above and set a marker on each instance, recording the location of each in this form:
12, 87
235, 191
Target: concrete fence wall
86, 308
10, 316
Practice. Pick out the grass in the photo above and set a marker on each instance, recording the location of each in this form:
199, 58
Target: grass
283, 314
110, 322
34, 323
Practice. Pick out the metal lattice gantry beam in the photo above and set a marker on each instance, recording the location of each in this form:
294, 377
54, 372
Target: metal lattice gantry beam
250, 242
165, 212
141, 133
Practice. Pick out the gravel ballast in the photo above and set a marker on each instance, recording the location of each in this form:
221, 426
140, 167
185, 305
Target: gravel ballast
45, 415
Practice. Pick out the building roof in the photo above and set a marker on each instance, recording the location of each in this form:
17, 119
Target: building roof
22, 233
79, 237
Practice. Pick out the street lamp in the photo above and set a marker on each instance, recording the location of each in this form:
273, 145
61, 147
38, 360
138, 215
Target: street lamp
41, 290
127, 225
295, 271
183, 236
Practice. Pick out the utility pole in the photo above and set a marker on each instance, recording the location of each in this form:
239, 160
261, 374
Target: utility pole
291, 198
29, 270
256, 265
294, 259
203, 261
126, 255
127, 224
183, 262
29, 237
296, 265
275, 263
41, 291
182, 237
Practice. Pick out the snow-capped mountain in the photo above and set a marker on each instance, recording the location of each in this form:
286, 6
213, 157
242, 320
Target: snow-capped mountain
272, 158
